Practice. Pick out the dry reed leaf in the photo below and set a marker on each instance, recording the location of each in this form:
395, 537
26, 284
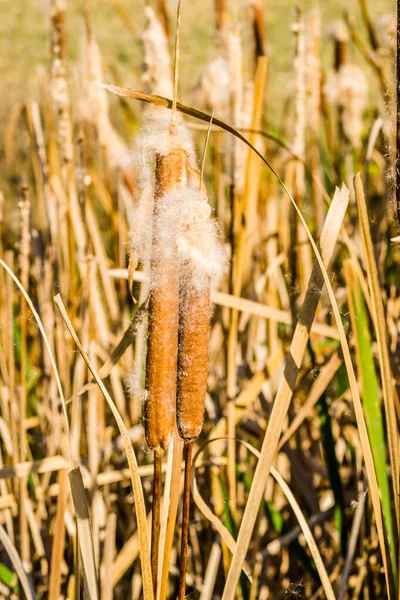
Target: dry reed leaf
57, 550
175, 494
84, 533
17, 564
211, 573
44, 465
267, 312
135, 477
106, 570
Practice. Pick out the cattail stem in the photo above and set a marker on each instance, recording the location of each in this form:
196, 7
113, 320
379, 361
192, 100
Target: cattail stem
156, 515
398, 114
185, 520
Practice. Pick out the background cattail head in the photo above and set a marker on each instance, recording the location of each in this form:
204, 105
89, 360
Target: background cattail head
157, 74
94, 102
348, 88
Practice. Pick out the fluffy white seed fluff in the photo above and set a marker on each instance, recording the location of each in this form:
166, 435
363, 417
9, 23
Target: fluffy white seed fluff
154, 139
185, 225
183, 219
212, 91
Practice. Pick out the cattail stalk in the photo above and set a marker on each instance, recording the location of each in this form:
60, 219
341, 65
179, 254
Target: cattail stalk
185, 520
162, 350
24, 251
315, 117
398, 114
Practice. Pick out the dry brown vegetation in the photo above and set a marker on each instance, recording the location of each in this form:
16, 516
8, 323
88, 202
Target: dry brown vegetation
199, 315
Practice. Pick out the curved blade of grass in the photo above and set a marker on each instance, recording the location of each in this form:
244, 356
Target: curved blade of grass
17, 563
326, 584
130, 455
267, 453
370, 393
231, 526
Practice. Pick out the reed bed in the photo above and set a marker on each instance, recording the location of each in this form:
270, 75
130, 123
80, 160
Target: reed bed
200, 311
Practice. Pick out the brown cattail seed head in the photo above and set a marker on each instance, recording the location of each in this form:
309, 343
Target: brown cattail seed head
161, 366
194, 328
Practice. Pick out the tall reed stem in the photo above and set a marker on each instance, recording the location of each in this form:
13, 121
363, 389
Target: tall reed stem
156, 515
185, 520
398, 114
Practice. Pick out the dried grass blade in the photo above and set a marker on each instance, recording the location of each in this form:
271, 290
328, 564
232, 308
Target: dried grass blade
17, 564
58, 538
175, 494
171, 493
84, 533
135, 477
211, 572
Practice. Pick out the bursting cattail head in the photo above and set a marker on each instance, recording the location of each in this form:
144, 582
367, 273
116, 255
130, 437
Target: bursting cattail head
348, 88
157, 75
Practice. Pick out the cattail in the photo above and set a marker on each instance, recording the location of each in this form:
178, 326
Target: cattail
171, 165
201, 263
157, 75
59, 84
348, 89
161, 370
94, 104
194, 329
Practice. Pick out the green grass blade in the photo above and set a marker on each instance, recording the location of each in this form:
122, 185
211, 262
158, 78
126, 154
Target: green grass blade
371, 399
